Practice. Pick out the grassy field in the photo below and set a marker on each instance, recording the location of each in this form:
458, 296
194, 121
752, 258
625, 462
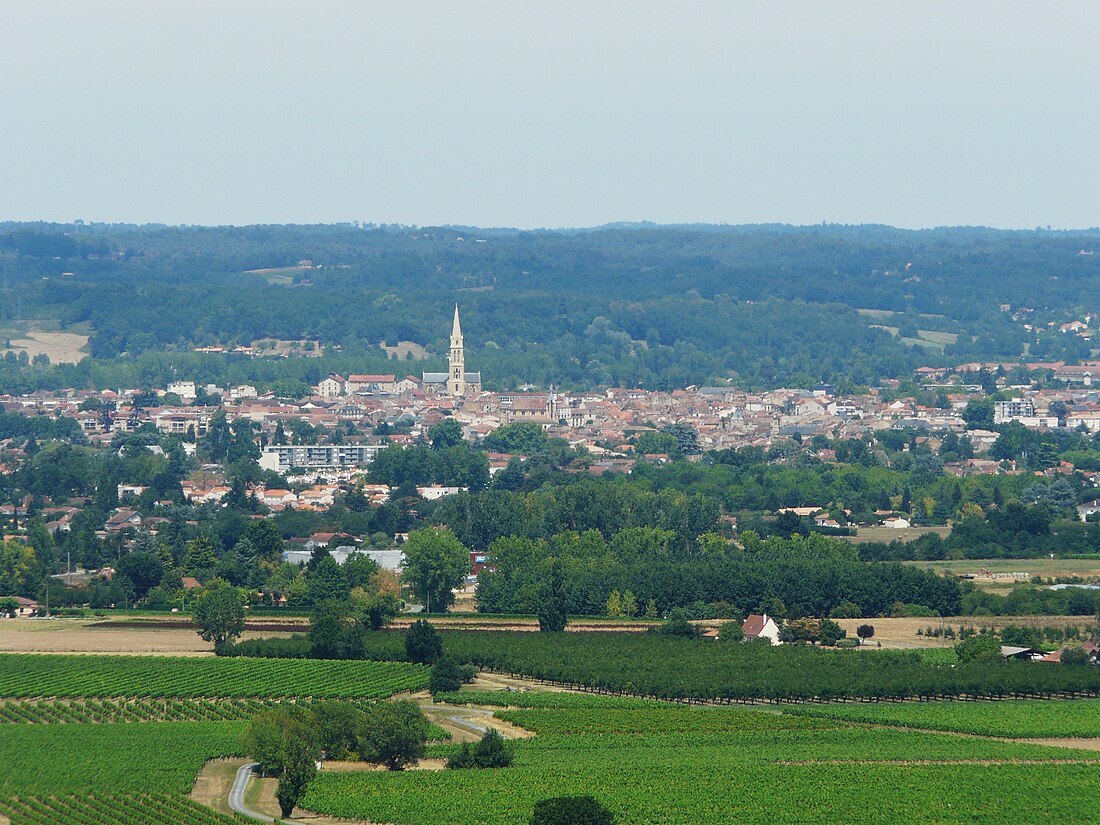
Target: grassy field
1029, 719
902, 633
668, 764
889, 534
1047, 568
36, 337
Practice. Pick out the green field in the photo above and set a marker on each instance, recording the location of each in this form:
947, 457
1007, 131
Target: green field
1023, 718
138, 758
34, 675
112, 809
676, 764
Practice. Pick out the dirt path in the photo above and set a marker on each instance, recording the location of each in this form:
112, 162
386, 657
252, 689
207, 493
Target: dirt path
214, 783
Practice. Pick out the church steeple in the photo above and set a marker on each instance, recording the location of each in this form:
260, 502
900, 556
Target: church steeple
456, 376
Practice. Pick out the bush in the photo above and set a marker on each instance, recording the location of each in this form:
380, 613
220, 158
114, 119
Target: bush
731, 632
677, 627
571, 810
446, 677
847, 643
1074, 656
423, 643
490, 752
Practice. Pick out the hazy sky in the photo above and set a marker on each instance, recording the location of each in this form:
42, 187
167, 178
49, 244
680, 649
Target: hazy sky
532, 114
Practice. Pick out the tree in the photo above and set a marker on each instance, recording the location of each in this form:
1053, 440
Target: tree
423, 644
334, 633
219, 612
325, 580
830, 632
615, 605
978, 414
571, 810
144, 570
731, 632
446, 677
335, 724
445, 434
865, 632
392, 733
984, 646
200, 560
285, 739
523, 437
435, 563
552, 599
1074, 656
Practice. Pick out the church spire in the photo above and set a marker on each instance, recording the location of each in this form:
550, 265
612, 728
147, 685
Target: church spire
456, 377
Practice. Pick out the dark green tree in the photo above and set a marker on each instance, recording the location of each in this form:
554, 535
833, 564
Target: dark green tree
219, 612
423, 644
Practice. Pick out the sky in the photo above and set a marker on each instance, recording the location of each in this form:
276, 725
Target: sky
530, 113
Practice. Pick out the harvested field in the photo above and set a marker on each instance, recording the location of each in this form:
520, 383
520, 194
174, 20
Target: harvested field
1047, 568
902, 633
84, 636
888, 534
59, 347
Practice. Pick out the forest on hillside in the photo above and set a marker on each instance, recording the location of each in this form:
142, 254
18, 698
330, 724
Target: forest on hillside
658, 307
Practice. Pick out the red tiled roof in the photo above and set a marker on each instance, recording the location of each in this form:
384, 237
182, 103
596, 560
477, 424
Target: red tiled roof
754, 623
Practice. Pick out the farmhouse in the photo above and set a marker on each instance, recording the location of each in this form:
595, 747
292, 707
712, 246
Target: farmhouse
761, 626
15, 606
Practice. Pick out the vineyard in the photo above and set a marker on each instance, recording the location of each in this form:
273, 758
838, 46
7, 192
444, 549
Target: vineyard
92, 711
135, 758
32, 676
1029, 719
672, 668
120, 809
677, 764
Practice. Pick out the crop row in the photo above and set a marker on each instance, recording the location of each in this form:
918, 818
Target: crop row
34, 675
121, 809
672, 668
1023, 718
76, 711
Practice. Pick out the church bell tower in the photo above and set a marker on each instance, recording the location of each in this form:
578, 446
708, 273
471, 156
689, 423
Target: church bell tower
456, 378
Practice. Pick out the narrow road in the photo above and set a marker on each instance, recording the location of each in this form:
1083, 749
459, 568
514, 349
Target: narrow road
236, 796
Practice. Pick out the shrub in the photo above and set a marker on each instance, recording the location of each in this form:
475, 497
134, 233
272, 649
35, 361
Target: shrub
490, 752
677, 627
571, 810
1074, 656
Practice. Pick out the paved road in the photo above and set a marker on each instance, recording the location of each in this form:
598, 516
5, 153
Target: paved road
236, 796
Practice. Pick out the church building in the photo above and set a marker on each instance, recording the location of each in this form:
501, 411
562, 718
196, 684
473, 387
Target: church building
456, 382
